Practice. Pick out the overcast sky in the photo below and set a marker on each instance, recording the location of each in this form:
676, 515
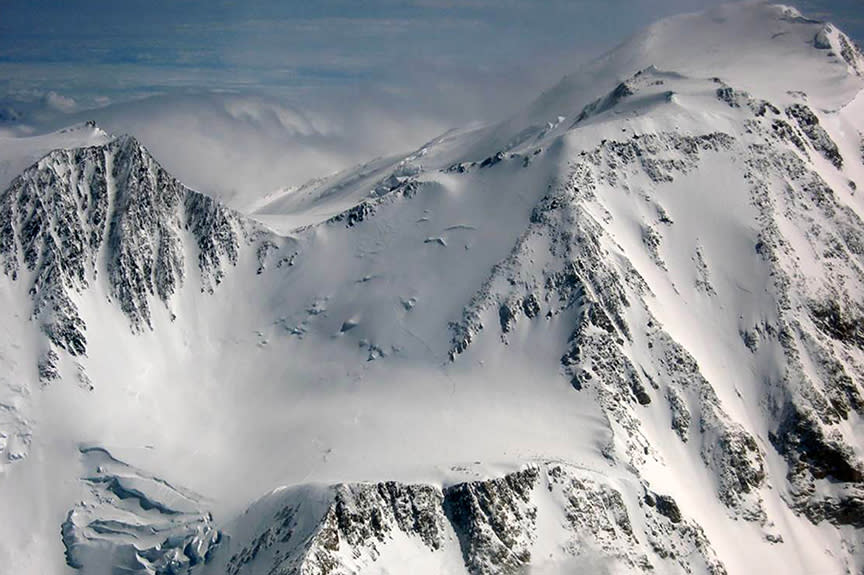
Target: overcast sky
351, 79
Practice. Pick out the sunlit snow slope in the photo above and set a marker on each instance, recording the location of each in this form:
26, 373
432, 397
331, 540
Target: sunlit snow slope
622, 331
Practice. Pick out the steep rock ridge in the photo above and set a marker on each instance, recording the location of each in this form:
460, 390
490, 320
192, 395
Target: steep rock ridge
488, 526
619, 350
585, 281
112, 210
130, 521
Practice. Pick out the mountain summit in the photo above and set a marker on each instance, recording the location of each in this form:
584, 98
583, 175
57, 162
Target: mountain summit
621, 331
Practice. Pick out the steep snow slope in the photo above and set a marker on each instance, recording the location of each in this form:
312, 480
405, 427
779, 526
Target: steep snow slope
621, 331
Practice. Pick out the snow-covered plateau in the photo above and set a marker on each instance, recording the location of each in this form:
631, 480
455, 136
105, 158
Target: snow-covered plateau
620, 332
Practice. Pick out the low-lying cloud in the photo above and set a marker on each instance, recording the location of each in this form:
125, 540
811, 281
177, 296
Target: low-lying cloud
238, 99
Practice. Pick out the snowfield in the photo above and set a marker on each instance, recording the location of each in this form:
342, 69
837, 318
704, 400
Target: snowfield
620, 332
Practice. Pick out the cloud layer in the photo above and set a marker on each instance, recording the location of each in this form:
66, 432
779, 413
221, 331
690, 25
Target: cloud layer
284, 90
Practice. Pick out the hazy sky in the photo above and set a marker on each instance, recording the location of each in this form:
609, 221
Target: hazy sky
239, 97
479, 55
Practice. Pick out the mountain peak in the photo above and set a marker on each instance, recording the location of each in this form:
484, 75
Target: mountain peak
109, 209
769, 50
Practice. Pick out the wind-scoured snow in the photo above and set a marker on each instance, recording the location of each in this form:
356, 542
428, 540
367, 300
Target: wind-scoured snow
621, 331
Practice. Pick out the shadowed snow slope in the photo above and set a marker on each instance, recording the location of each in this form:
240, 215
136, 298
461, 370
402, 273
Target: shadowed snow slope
620, 332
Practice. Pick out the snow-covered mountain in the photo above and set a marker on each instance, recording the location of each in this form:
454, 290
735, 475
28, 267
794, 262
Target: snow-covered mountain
622, 331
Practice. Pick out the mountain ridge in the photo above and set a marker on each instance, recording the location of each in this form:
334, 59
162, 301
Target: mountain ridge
108, 208
655, 292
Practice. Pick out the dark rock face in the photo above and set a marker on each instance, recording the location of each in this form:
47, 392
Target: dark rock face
667, 506
785, 132
838, 323
801, 437
505, 317
839, 511
594, 352
531, 306
367, 513
809, 124
494, 521
109, 209
850, 52
814, 456
728, 95
355, 215
492, 160
613, 98
821, 41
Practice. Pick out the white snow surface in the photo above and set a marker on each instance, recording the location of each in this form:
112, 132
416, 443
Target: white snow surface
17, 153
334, 358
